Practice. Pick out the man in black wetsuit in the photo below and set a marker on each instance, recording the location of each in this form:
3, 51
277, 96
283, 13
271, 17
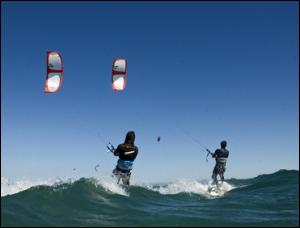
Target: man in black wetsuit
221, 156
127, 153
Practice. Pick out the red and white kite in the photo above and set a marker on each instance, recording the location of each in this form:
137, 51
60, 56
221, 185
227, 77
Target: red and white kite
119, 74
55, 71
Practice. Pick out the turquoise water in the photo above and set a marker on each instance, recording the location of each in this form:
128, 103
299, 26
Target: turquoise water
266, 200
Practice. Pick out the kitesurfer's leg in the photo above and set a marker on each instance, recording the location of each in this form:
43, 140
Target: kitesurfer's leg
117, 174
126, 178
222, 171
214, 177
222, 176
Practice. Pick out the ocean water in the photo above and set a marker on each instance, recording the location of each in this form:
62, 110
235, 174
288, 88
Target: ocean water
266, 200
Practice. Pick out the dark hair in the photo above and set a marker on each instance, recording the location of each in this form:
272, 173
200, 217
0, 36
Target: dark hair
223, 144
130, 137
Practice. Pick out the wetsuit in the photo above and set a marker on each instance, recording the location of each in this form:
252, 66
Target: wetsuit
221, 156
127, 154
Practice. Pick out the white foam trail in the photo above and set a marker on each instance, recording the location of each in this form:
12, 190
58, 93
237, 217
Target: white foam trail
9, 187
189, 186
109, 183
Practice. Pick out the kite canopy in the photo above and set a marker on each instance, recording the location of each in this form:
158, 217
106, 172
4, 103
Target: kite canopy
119, 74
54, 72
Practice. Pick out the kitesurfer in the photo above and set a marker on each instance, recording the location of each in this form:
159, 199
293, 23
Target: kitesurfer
221, 156
127, 153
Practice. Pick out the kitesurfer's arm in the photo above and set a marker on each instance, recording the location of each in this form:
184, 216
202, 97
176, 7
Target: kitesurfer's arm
215, 154
209, 152
227, 154
137, 151
117, 151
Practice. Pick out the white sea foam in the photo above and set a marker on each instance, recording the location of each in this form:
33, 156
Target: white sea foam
203, 188
9, 187
109, 183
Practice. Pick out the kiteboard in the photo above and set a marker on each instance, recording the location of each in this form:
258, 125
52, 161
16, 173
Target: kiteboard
215, 188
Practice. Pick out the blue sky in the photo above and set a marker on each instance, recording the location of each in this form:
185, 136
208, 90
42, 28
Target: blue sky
209, 70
